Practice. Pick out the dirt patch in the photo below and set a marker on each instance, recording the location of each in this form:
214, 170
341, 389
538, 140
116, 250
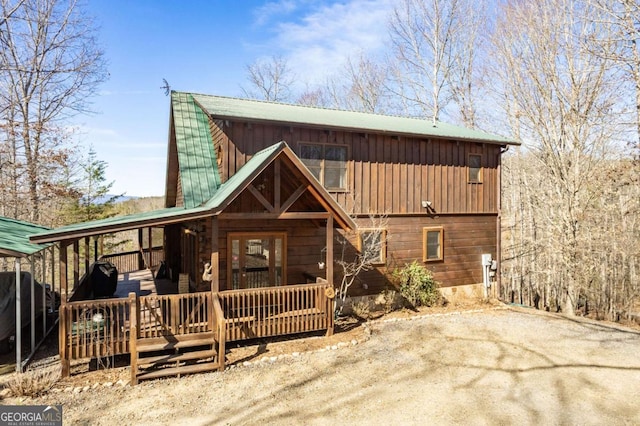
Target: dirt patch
484, 365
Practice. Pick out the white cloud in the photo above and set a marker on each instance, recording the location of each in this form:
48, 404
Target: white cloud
320, 40
273, 9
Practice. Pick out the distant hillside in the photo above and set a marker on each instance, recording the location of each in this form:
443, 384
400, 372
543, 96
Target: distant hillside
132, 204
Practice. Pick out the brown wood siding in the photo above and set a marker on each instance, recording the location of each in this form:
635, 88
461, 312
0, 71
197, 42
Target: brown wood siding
466, 238
305, 240
219, 142
386, 174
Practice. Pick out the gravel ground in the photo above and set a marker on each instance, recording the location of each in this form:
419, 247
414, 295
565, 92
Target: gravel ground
498, 366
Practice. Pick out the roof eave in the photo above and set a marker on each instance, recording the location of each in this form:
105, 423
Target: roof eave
55, 236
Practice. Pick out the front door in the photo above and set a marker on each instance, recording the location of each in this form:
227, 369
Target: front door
256, 259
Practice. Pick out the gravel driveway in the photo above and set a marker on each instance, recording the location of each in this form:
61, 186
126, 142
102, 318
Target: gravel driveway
499, 366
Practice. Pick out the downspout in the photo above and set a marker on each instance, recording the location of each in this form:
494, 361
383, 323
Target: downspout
503, 150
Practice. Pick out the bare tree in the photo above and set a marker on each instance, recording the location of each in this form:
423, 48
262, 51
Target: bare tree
353, 263
562, 101
427, 42
51, 65
361, 85
623, 19
269, 79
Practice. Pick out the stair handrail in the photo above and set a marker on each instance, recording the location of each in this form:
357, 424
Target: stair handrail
134, 330
220, 325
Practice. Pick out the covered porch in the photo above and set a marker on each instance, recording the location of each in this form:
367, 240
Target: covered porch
254, 261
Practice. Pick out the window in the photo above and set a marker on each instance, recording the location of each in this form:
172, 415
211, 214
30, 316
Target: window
432, 244
373, 244
328, 163
474, 162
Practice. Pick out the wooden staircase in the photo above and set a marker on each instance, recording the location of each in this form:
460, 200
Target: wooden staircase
174, 356
171, 347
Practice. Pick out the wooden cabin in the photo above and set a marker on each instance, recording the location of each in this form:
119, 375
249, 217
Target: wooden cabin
261, 200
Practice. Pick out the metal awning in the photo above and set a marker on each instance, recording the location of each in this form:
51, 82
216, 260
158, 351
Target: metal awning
14, 242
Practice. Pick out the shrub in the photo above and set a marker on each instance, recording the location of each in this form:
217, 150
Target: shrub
417, 285
33, 382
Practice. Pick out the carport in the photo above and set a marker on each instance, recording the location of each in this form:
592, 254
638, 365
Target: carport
14, 244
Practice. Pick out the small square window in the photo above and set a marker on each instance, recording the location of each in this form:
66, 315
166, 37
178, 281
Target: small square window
474, 162
373, 244
432, 249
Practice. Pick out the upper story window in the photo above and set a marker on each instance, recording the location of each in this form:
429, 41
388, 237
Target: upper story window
328, 163
474, 163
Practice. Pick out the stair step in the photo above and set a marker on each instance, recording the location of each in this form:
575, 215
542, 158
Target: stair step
172, 342
184, 356
174, 371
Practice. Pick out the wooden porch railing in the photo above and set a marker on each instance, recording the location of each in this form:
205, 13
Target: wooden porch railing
175, 314
94, 328
106, 327
275, 311
131, 261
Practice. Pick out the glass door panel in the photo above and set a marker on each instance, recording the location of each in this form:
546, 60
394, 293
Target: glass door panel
256, 260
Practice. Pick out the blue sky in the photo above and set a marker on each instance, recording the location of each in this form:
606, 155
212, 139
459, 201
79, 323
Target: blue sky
204, 47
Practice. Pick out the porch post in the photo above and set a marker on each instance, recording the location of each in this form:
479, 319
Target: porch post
64, 284
141, 250
150, 264
215, 263
86, 254
32, 285
18, 318
76, 264
53, 277
329, 262
329, 267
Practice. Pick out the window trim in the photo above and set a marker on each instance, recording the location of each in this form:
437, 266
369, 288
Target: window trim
469, 180
322, 163
383, 249
425, 232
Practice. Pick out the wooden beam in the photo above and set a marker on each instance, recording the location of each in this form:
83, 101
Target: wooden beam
76, 264
64, 285
215, 256
86, 254
140, 250
293, 198
267, 205
265, 216
149, 233
276, 184
329, 261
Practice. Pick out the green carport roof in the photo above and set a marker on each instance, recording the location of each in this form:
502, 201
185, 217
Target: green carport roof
14, 238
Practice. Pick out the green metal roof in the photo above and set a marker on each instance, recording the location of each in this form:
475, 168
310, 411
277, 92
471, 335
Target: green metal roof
233, 108
199, 173
118, 223
14, 237
214, 205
